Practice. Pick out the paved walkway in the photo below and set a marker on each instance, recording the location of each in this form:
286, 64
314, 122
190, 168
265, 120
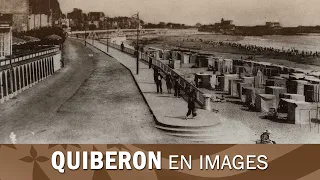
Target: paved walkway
93, 100
171, 111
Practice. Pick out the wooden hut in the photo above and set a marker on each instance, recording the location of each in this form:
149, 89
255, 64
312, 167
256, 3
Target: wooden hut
296, 86
251, 94
279, 82
203, 81
276, 91
227, 66
233, 87
224, 81
311, 92
241, 91
283, 104
264, 102
185, 57
248, 80
300, 112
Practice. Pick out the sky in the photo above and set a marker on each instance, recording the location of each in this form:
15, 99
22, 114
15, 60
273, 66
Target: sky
242, 12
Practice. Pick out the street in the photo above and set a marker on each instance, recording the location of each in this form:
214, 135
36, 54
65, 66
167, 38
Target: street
94, 99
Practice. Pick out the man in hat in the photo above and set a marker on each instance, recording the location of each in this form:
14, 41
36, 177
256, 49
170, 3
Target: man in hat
265, 137
191, 107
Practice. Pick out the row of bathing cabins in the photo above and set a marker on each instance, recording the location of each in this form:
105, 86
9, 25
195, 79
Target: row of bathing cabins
261, 85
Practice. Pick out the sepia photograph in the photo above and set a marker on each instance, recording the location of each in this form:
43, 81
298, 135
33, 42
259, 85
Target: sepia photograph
159, 72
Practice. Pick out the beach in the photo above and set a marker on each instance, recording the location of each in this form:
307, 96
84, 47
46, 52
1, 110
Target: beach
233, 109
200, 42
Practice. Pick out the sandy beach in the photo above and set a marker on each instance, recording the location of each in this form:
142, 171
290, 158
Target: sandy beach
200, 42
233, 109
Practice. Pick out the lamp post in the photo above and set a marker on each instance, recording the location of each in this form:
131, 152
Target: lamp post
85, 33
11, 65
107, 27
93, 36
138, 26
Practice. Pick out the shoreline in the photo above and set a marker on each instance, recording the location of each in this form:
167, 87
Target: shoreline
231, 52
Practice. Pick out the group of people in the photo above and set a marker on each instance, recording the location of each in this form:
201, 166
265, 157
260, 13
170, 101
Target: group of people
292, 52
173, 83
267, 50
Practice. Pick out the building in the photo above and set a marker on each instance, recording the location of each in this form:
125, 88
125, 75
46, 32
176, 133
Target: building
96, 16
273, 25
75, 19
31, 14
19, 10
225, 24
37, 21
225, 27
96, 19
6, 21
44, 13
75, 15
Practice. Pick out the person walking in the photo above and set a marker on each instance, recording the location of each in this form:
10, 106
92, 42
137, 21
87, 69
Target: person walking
159, 82
176, 87
191, 108
169, 83
192, 93
155, 74
150, 62
122, 47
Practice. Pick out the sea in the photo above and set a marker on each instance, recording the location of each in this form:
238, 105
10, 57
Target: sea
306, 42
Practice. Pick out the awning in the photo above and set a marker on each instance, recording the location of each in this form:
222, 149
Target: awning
31, 39
18, 41
53, 37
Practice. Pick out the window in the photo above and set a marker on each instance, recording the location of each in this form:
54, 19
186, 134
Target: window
2, 48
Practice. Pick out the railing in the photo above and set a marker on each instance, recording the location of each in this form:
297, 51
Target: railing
166, 69
22, 57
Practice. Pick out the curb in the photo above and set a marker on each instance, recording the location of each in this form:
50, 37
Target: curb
135, 81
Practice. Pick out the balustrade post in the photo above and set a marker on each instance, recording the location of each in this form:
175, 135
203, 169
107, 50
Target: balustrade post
1, 89
207, 102
6, 94
14, 79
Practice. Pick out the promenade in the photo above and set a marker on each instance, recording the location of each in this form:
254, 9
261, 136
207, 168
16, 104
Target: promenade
92, 100
170, 111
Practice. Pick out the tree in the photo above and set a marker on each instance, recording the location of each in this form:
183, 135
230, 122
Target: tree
92, 27
162, 25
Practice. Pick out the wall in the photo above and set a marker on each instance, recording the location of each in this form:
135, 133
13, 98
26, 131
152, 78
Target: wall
26, 71
57, 62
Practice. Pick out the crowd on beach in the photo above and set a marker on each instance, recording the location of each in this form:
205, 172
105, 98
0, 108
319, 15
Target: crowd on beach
269, 50
291, 52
